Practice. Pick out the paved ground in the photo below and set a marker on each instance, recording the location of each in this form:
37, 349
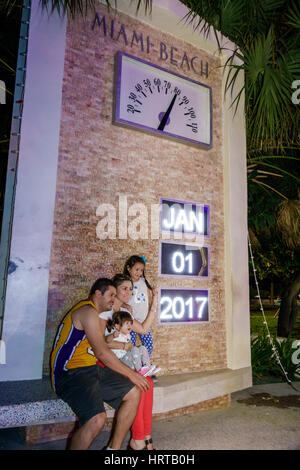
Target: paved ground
264, 417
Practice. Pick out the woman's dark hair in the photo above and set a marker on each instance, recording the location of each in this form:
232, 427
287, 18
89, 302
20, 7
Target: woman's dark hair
118, 279
118, 318
130, 262
102, 284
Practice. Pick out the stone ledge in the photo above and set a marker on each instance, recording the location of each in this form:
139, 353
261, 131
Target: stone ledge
183, 390
171, 392
36, 413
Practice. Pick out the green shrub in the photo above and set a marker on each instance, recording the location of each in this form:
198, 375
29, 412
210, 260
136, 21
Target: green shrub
285, 352
264, 360
261, 356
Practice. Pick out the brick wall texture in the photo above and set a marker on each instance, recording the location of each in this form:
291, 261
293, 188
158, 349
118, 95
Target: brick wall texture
99, 161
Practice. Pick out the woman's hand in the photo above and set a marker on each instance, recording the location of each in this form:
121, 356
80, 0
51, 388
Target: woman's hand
128, 346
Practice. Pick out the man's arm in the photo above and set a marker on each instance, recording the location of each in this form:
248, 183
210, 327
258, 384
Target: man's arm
89, 321
111, 337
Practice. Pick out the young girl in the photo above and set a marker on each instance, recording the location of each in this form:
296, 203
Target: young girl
119, 328
142, 296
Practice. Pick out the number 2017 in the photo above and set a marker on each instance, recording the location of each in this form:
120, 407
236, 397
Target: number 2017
175, 307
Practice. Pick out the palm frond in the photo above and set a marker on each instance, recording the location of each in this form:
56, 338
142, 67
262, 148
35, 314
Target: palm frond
280, 157
293, 16
7, 66
269, 173
81, 7
270, 187
284, 172
253, 238
71, 7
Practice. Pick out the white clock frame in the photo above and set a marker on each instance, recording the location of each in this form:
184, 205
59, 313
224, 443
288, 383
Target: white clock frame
139, 107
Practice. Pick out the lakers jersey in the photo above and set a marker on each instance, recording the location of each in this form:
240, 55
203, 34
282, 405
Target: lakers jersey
71, 348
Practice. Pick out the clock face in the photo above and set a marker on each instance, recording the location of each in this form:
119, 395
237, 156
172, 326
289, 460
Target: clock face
152, 99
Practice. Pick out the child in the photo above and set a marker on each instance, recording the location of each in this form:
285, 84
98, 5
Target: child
136, 358
141, 299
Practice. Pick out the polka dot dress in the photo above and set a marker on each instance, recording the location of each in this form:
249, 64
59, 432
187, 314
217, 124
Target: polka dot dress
146, 340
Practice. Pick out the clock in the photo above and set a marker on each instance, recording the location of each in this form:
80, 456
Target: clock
152, 99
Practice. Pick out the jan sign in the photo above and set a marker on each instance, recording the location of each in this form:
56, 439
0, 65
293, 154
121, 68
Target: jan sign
184, 217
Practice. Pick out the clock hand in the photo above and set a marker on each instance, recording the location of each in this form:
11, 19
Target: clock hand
166, 115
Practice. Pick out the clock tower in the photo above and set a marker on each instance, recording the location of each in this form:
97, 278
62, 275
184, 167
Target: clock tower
129, 146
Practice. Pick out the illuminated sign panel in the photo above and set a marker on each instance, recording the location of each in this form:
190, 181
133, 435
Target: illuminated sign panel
183, 305
183, 260
184, 217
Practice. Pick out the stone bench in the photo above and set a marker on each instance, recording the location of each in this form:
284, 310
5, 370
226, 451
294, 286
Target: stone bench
33, 405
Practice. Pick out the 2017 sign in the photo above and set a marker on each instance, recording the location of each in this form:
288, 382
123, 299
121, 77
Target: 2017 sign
183, 260
183, 306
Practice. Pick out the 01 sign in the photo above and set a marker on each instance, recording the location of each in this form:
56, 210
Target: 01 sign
183, 306
180, 259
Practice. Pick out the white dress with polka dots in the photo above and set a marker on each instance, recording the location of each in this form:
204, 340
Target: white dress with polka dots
139, 300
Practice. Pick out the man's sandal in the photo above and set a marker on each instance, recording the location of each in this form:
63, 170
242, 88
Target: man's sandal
147, 442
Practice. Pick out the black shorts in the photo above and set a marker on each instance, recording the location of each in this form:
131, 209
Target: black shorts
86, 388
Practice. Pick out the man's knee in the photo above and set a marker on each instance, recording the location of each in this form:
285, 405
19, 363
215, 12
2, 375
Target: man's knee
133, 395
96, 423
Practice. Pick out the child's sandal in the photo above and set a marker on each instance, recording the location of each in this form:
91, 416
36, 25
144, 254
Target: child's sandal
149, 441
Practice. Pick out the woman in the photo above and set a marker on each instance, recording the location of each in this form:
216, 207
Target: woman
141, 427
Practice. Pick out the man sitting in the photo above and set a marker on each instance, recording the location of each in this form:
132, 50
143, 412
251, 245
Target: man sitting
83, 384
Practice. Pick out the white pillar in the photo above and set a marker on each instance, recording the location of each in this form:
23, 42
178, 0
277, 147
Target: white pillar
27, 284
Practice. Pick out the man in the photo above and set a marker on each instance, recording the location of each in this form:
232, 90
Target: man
82, 383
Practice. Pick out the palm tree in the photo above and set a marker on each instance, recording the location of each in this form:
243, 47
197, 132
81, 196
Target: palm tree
289, 216
266, 34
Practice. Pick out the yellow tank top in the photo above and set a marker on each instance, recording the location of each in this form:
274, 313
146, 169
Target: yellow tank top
71, 347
